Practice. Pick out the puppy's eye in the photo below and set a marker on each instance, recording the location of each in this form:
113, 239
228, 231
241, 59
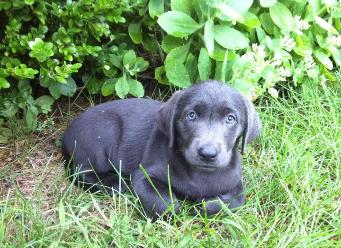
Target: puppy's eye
231, 119
191, 116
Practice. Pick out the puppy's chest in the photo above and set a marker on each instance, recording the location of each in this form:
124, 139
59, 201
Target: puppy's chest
199, 186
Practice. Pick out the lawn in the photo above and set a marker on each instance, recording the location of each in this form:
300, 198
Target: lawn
292, 177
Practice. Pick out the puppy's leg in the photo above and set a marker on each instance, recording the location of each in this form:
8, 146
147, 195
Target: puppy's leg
234, 198
111, 183
107, 183
156, 202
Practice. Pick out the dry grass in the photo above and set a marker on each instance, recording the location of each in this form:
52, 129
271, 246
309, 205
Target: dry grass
34, 161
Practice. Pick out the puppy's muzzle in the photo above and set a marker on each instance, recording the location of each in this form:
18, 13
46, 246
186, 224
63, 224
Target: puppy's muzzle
208, 152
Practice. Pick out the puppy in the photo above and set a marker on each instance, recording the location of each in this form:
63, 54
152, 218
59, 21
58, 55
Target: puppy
188, 144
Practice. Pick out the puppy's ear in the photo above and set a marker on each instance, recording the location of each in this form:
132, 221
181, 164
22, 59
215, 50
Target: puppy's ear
252, 126
166, 117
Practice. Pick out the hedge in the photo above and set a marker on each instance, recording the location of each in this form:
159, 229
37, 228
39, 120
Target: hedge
107, 46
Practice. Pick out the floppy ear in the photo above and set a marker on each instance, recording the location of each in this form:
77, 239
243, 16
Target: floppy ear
166, 116
252, 126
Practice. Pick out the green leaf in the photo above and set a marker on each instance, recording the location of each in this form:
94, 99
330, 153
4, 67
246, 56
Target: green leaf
178, 24
54, 91
244, 87
177, 73
23, 72
29, 2
204, 65
10, 109
135, 88
328, 74
94, 85
314, 6
260, 34
209, 35
5, 134
202, 8
192, 67
3, 72
324, 59
60, 79
141, 65
250, 20
25, 86
150, 43
337, 57
230, 38
170, 42
45, 103
282, 17
325, 25
31, 118
160, 75
268, 73
219, 54
4, 83
135, 34
303, 47
234, 9
115, 60
108, 87
74, 67
228, 13
156, 7
41, 50
109, 71
267, 3
67, 89
240, 6
336, 14
182, 6
5, 4
129, 58
122, 87
179, 53
267, 22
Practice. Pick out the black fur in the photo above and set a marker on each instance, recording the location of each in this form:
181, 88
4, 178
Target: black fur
163, 138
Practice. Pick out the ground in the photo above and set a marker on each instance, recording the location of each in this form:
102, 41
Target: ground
292, 184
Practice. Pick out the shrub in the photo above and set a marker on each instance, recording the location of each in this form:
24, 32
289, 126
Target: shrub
60, 45
253, 45
105, 45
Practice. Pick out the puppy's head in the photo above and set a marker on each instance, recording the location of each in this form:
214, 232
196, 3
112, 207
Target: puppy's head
205, 123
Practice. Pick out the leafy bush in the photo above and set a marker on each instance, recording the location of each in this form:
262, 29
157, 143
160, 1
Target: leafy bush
105, 45
253, 45
59, 45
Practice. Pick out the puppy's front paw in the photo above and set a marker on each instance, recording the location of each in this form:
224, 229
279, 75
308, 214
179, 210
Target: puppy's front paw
163, 211
210, 207
233, 201
213, 206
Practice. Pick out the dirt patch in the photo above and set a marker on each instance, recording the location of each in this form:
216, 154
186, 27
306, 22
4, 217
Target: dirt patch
31, 168
32, 165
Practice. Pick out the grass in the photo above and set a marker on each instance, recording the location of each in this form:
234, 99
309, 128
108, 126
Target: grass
291, 175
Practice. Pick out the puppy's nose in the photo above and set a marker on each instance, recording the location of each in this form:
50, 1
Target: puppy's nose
208, 152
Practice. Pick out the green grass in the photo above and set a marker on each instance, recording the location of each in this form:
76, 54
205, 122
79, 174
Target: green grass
292, 182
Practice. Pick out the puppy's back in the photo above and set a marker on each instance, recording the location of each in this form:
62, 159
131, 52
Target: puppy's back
111, 131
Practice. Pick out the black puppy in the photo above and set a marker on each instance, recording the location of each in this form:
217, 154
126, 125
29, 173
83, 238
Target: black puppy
190, 141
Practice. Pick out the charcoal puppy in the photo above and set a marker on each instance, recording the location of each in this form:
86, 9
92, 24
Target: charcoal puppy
190, 141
